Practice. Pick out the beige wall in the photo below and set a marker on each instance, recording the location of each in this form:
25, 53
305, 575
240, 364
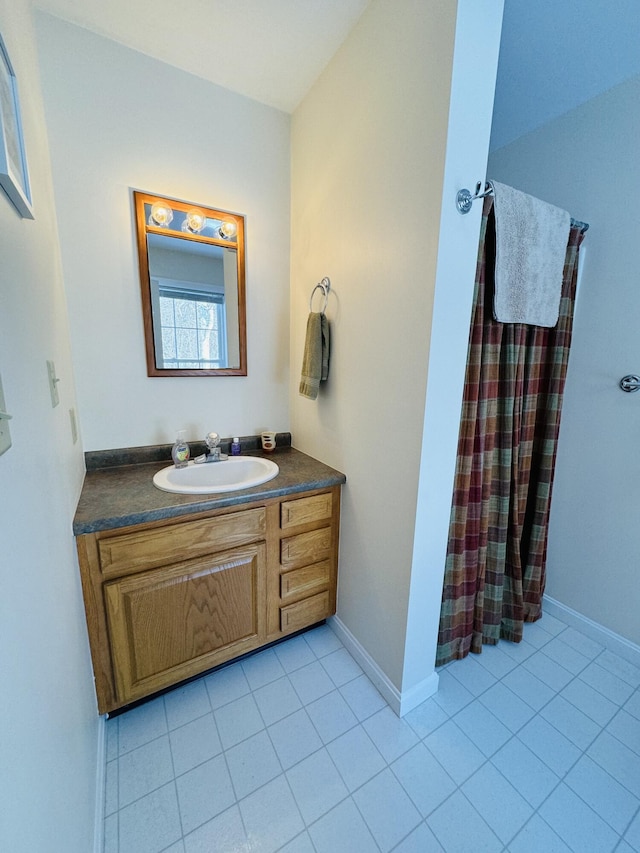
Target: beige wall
368, 143
48, 716
120, 120
587, 162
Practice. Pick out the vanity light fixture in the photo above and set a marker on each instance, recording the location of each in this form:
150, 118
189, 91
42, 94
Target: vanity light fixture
194, 221
228, 230
161, 214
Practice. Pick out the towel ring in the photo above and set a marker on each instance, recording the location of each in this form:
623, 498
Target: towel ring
325, 287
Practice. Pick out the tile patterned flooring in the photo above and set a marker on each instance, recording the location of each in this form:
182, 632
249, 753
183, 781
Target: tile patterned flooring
528, 748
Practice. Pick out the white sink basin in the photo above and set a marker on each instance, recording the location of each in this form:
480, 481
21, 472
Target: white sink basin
230, 475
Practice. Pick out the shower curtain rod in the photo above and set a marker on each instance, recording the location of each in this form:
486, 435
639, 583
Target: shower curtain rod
465, 199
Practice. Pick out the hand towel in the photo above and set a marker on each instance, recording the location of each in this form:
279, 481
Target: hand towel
531, 244
315, 361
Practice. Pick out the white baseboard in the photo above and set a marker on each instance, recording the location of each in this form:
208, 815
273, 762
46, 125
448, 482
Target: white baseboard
101, 781
609, 639
400, 702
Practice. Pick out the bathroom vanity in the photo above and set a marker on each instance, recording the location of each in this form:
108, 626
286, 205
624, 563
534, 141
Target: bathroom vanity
175, 585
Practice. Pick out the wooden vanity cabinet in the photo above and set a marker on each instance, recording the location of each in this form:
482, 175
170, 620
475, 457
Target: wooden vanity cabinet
169, 600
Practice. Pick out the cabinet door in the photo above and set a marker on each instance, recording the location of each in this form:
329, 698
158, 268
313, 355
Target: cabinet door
172, 623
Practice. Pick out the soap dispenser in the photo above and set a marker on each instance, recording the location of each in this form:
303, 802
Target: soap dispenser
180, 451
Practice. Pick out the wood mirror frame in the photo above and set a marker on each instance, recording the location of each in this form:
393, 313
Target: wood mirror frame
192, 242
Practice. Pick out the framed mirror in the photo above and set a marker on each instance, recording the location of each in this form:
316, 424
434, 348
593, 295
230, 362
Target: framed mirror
192, 283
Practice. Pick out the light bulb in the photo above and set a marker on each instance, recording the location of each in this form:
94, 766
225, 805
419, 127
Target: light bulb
195, 220
161, 214
228, 229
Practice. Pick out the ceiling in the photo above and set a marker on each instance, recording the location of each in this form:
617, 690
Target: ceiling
553, 56
270, 50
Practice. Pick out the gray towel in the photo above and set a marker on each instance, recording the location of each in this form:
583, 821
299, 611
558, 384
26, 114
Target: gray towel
315, 361
531, 245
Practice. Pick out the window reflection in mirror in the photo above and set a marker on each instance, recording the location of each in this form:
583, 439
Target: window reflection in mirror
192, 285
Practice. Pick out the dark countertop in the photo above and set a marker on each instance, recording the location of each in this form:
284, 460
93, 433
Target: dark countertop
121, 495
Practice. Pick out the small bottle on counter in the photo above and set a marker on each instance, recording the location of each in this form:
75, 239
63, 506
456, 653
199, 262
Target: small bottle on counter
235, 447
180, 451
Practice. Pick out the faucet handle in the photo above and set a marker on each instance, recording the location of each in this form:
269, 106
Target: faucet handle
212, 440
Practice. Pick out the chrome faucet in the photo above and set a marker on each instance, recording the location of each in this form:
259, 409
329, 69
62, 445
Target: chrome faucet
212, 440
213, 454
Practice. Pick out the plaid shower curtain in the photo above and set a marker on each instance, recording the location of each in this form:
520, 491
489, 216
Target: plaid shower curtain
495, 568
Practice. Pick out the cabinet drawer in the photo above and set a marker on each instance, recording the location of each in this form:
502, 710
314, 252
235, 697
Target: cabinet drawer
134, 552
305, 510
305, 613
306, 548
305, 581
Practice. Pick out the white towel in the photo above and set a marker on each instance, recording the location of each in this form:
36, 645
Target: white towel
531, 245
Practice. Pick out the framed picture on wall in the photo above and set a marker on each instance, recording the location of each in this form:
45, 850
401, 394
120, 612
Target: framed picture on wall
14, 175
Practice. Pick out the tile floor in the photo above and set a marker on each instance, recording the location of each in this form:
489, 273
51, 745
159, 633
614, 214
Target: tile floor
529, 748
